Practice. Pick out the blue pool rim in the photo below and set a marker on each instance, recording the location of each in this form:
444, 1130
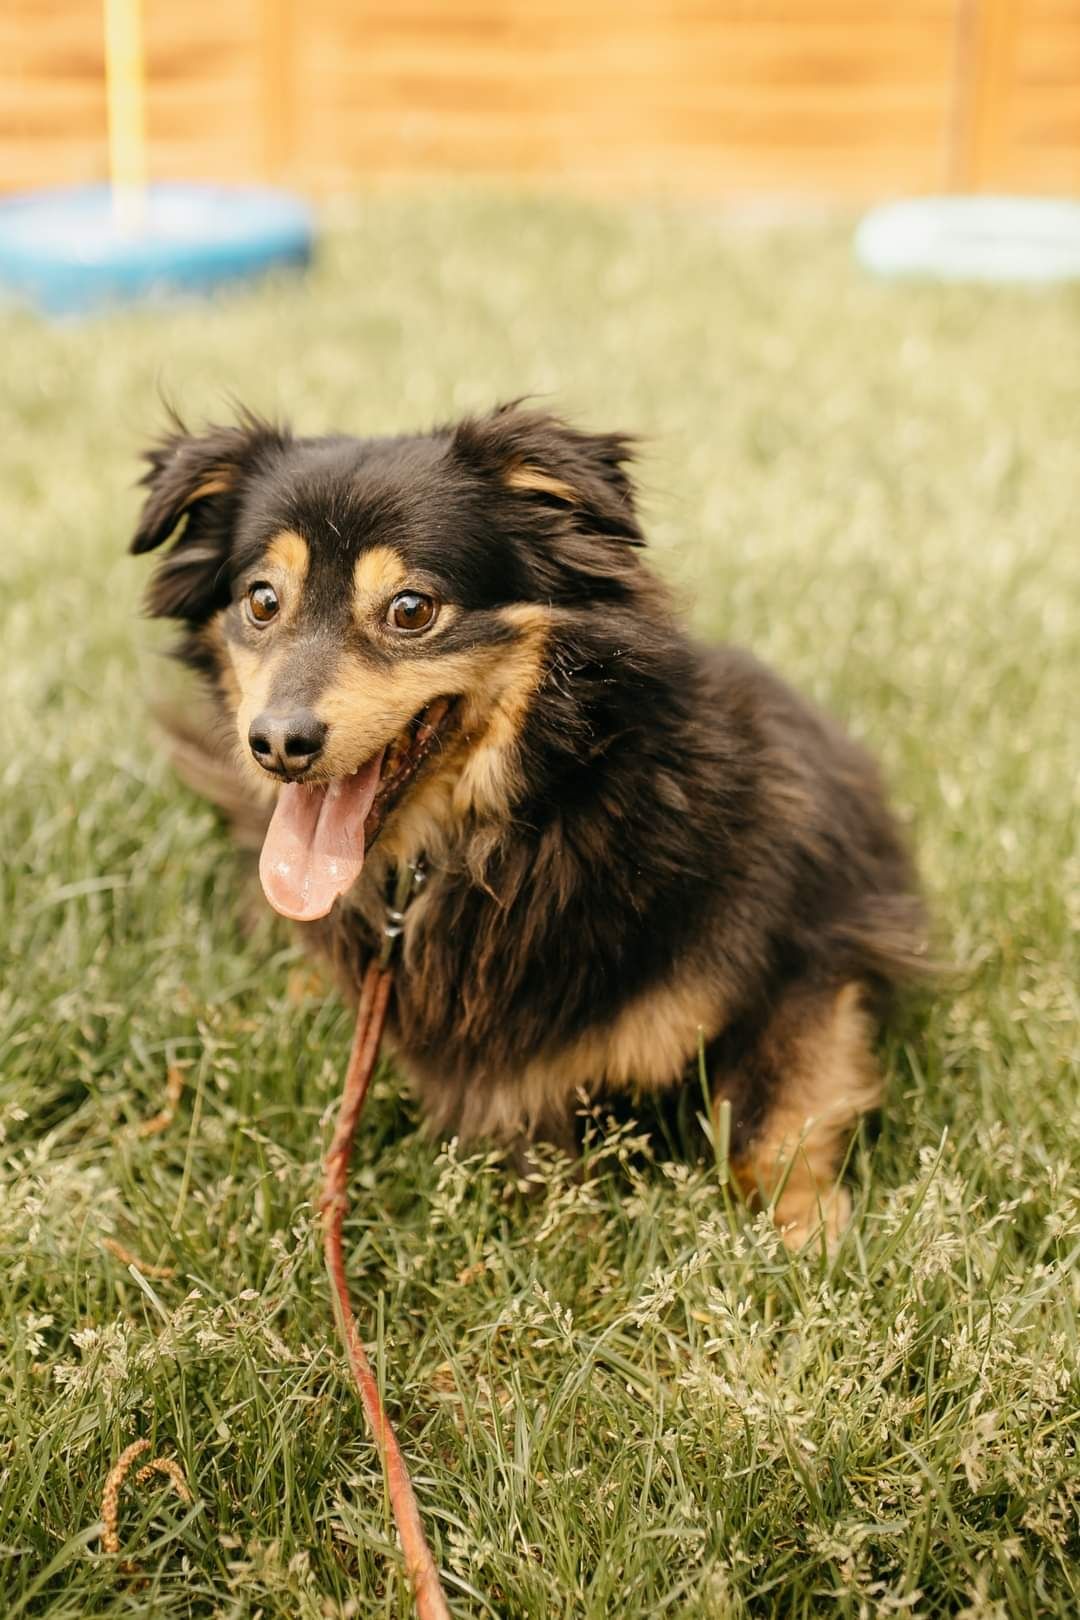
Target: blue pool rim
61, 253
991, 239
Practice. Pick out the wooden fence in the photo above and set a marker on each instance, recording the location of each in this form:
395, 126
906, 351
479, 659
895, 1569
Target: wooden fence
826, 98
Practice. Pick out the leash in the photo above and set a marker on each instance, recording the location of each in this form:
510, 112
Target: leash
370, 1021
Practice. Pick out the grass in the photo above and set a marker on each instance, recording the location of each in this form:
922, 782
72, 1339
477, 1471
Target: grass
621, 1397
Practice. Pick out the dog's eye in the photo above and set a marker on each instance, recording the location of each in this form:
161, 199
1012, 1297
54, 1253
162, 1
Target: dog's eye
262, 602
411, 611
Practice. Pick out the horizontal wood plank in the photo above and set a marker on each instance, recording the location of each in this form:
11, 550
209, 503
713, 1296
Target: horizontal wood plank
846, 98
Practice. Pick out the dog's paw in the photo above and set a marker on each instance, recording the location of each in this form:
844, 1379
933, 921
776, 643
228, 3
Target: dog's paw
802, 1218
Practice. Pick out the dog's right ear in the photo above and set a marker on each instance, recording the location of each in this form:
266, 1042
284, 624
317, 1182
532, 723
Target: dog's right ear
195, 480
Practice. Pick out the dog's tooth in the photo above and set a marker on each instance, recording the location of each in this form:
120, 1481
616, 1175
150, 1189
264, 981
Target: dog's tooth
430, 719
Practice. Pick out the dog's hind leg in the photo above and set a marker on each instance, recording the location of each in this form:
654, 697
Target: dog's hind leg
810, 1073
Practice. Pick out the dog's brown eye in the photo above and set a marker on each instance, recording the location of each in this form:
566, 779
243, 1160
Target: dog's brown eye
262, 603
411, 611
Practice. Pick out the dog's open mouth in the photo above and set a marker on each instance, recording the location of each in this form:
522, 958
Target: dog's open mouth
315, 845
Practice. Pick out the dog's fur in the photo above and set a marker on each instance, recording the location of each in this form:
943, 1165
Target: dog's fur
633, 843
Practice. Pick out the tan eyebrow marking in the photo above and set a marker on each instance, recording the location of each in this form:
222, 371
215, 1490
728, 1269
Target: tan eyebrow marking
377, 574
289, 551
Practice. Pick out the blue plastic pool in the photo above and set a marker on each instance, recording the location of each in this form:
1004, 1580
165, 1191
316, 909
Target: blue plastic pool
64, 252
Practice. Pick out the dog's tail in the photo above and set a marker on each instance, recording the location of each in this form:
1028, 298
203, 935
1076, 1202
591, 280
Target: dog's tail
885, 939
205, 760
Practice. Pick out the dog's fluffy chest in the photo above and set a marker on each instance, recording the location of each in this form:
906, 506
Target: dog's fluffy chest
504, 1011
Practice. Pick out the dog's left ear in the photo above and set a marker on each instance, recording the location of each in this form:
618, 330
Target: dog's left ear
195, 480
543, 459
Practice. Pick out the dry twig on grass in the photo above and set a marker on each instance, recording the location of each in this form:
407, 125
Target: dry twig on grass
110, 1498
125, 1255
161, 1121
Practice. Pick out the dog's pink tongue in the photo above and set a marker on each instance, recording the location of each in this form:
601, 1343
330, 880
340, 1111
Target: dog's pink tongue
314, 846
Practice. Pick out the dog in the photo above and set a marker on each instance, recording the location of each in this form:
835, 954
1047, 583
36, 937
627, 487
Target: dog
447, 649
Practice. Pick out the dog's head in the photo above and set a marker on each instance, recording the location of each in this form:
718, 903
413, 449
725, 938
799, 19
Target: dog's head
376, 615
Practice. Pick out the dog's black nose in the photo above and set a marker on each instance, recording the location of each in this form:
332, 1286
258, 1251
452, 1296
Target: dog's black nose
286, 744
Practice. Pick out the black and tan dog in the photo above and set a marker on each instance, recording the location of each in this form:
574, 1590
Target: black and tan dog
447, 646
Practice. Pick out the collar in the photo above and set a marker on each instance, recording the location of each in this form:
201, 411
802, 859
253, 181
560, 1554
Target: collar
403, 886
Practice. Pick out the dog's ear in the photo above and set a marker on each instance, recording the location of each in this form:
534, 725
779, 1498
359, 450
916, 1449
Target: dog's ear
547, 462
195, 480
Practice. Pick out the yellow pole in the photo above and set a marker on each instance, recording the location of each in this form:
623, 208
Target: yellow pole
124, 88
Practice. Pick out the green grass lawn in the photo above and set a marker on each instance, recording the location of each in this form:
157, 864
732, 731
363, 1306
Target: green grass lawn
621, 1397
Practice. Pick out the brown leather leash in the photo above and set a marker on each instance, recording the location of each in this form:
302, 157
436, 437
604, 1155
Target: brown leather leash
370, 1020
